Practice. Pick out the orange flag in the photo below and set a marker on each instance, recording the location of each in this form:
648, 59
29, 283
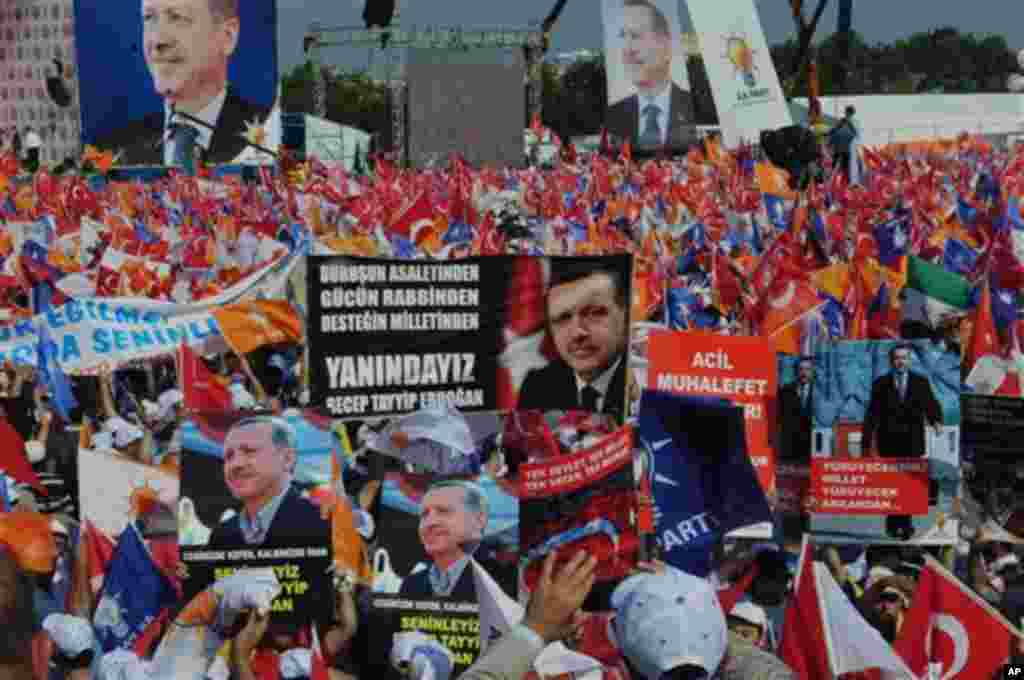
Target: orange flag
249, 325
350, 555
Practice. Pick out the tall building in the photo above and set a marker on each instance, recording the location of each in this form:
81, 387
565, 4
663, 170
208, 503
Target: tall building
37, 39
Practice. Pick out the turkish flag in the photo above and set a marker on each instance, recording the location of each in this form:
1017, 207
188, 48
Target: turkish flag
203, 392
949, 624
13, 460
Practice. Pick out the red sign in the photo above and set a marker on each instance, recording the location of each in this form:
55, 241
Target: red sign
869, 486
564, 474
740, 369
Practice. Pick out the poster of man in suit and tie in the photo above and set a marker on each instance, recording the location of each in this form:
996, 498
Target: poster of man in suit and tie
502, 333
169, 82
649, 101
254, 480
884, 439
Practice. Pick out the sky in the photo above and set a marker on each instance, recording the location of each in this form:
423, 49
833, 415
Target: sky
580, 24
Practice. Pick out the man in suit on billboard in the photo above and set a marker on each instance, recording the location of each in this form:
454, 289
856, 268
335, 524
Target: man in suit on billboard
796, 416
259, 461
587, 310
659, 114
902, 403
453, 516
187, 46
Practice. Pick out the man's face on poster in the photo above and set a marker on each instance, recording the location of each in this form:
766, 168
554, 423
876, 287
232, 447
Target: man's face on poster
447, 524
646, 53
187, 48
806, 374
255, 467
900, 359
588, 323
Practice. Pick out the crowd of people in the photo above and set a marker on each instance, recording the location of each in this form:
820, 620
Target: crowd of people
716, 236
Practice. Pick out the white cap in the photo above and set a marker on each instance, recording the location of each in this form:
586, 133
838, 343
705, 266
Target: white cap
296, 663
426, 658
167, 401
122, 432
35, 450
71, 634
751, 613
121, 664
150, 408
664, 621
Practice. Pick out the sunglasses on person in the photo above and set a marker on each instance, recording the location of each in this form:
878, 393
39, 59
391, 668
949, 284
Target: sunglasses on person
892, 598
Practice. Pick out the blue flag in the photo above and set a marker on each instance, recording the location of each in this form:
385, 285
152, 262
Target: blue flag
959, 257
52, 375
458, 232
704, 482
893, 238
134, 593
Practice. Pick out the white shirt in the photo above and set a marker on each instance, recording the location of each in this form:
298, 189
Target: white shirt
600, 384
208, 115
33, 140
664, 103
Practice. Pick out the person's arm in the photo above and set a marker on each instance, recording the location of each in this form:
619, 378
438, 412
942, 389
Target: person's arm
549, 617
261, 394
245, 643
346, 622
44, 426
107, 407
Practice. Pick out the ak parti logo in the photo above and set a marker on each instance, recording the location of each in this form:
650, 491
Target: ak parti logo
742, 57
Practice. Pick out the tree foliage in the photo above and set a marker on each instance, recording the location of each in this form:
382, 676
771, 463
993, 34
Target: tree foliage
941, 60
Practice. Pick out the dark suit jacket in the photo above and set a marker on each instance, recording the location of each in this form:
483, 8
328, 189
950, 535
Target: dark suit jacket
553, 388
418, 585
297, 522
796, 425
141, 142
623, 120
899, 424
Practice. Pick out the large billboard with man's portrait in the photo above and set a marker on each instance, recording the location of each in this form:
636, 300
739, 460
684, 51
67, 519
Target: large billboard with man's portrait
167, 79
649, 100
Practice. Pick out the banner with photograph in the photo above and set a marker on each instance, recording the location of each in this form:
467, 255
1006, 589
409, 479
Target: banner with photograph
854, 486
739, 369
128, 83
253, 487
390, 337
744, 82
646, 66
876, 402
435, 513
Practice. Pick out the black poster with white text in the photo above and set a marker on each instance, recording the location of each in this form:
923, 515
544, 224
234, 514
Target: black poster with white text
388, 337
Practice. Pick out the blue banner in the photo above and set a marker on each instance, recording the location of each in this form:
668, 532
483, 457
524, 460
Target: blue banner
704, 482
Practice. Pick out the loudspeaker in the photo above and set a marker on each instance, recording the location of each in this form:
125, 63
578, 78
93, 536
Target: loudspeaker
378, 13
792, 148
